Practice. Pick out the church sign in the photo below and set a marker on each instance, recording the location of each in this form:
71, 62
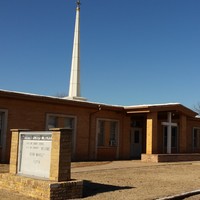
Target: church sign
35, 153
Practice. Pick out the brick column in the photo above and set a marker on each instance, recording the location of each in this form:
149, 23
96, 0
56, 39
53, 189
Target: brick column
60, 167
151, 138
183, 134
14, 150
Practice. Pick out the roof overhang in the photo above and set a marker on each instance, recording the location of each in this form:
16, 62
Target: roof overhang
170, 107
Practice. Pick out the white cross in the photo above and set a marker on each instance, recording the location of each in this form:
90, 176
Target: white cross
169, 125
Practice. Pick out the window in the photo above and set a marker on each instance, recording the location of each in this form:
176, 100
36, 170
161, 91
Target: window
60, 121
69, 122
63, 121
101, 133
107, 133
113, 133
196, 138
1, 127
52, 122
3, 135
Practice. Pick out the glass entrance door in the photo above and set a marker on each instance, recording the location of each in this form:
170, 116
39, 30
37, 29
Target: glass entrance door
174, 139
136, 142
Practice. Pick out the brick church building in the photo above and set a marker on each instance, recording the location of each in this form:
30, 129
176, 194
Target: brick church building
101, 131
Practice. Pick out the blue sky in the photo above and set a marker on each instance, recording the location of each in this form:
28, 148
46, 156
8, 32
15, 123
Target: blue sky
132, 51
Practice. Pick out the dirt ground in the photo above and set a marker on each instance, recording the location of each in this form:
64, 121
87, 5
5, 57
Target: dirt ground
130, 180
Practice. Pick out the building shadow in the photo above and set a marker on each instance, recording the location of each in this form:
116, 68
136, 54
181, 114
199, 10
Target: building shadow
91, 188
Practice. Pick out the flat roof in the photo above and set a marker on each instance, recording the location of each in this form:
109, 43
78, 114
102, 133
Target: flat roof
144, 108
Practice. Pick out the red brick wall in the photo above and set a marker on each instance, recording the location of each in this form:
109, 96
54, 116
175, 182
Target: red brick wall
107, 153
190, 125
31, 114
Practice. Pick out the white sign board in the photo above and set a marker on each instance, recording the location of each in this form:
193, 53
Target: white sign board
35, 153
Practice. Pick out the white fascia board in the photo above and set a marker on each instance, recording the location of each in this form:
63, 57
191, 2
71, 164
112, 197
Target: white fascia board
150, 105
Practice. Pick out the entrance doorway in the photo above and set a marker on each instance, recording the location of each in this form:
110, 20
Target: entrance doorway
136, 142
174, 139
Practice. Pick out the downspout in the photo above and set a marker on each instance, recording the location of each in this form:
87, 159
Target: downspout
90, 130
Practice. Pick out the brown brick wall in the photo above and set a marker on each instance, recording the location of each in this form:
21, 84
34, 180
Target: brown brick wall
124, 138
183, 134
190, 125
109, 153
31, 114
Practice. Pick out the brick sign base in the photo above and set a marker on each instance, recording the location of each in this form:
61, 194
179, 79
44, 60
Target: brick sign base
42, 189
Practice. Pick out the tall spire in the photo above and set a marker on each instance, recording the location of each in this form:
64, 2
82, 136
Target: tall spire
78, 3
74, 86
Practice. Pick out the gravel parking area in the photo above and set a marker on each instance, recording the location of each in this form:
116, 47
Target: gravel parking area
137, 180
129, 180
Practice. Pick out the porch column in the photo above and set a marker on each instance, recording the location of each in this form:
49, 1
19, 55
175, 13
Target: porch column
183, 134
151, 140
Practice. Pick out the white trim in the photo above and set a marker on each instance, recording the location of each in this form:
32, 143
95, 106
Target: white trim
152, 105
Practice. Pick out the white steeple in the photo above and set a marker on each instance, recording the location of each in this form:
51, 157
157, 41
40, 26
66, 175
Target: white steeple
74, 86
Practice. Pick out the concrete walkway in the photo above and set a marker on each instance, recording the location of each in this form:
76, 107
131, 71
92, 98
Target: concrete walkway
96, 166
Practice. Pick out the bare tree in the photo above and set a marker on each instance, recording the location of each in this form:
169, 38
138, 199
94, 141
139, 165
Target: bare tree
61, 94
197, 108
